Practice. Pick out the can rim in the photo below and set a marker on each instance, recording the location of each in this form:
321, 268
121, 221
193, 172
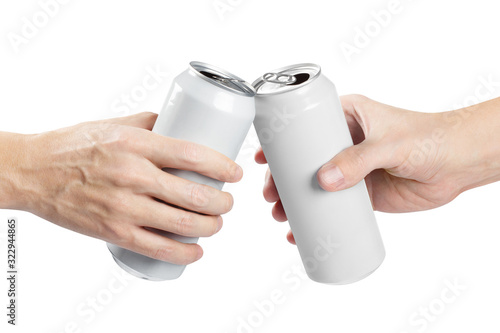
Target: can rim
238, 85
261, 81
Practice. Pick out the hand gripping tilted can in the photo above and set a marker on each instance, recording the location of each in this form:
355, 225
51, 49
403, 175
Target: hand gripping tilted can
301, 126
205, 105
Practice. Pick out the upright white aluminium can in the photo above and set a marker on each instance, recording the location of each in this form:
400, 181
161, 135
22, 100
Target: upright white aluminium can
301, 126
209, 106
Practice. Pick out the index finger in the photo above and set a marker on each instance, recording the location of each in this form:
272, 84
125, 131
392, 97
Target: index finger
174, 153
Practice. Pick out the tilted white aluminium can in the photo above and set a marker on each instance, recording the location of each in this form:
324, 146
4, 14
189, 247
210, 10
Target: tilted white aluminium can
301, 126
209, 106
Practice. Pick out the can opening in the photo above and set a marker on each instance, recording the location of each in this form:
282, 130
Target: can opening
222, 78
212, 76
286, 79
300, 78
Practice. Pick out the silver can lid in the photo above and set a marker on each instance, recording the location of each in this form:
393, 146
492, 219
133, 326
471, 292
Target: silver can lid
286, 79
222, 78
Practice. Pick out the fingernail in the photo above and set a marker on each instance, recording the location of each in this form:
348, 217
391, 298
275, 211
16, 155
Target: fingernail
332, 176
219, 223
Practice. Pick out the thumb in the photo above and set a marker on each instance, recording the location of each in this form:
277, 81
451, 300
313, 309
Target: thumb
349, 167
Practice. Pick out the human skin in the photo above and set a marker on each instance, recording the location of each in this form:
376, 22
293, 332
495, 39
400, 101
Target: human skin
411, 161
104, 178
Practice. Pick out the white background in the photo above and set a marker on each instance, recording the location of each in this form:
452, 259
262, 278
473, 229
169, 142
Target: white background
430, 57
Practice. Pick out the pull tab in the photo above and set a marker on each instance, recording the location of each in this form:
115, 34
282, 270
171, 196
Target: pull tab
279, 78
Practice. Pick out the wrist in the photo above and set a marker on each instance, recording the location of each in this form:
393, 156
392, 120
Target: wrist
13, 152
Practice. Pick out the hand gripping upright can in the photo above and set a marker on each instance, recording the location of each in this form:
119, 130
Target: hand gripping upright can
209, 106
301, 126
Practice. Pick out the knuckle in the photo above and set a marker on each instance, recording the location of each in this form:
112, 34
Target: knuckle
121, 136
358, 159
192, 152
117, 139
163, 253
198, 195
164, 181
123, 236
180, 254
184, 224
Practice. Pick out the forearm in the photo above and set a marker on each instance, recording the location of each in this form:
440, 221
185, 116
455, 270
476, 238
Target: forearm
474, 143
